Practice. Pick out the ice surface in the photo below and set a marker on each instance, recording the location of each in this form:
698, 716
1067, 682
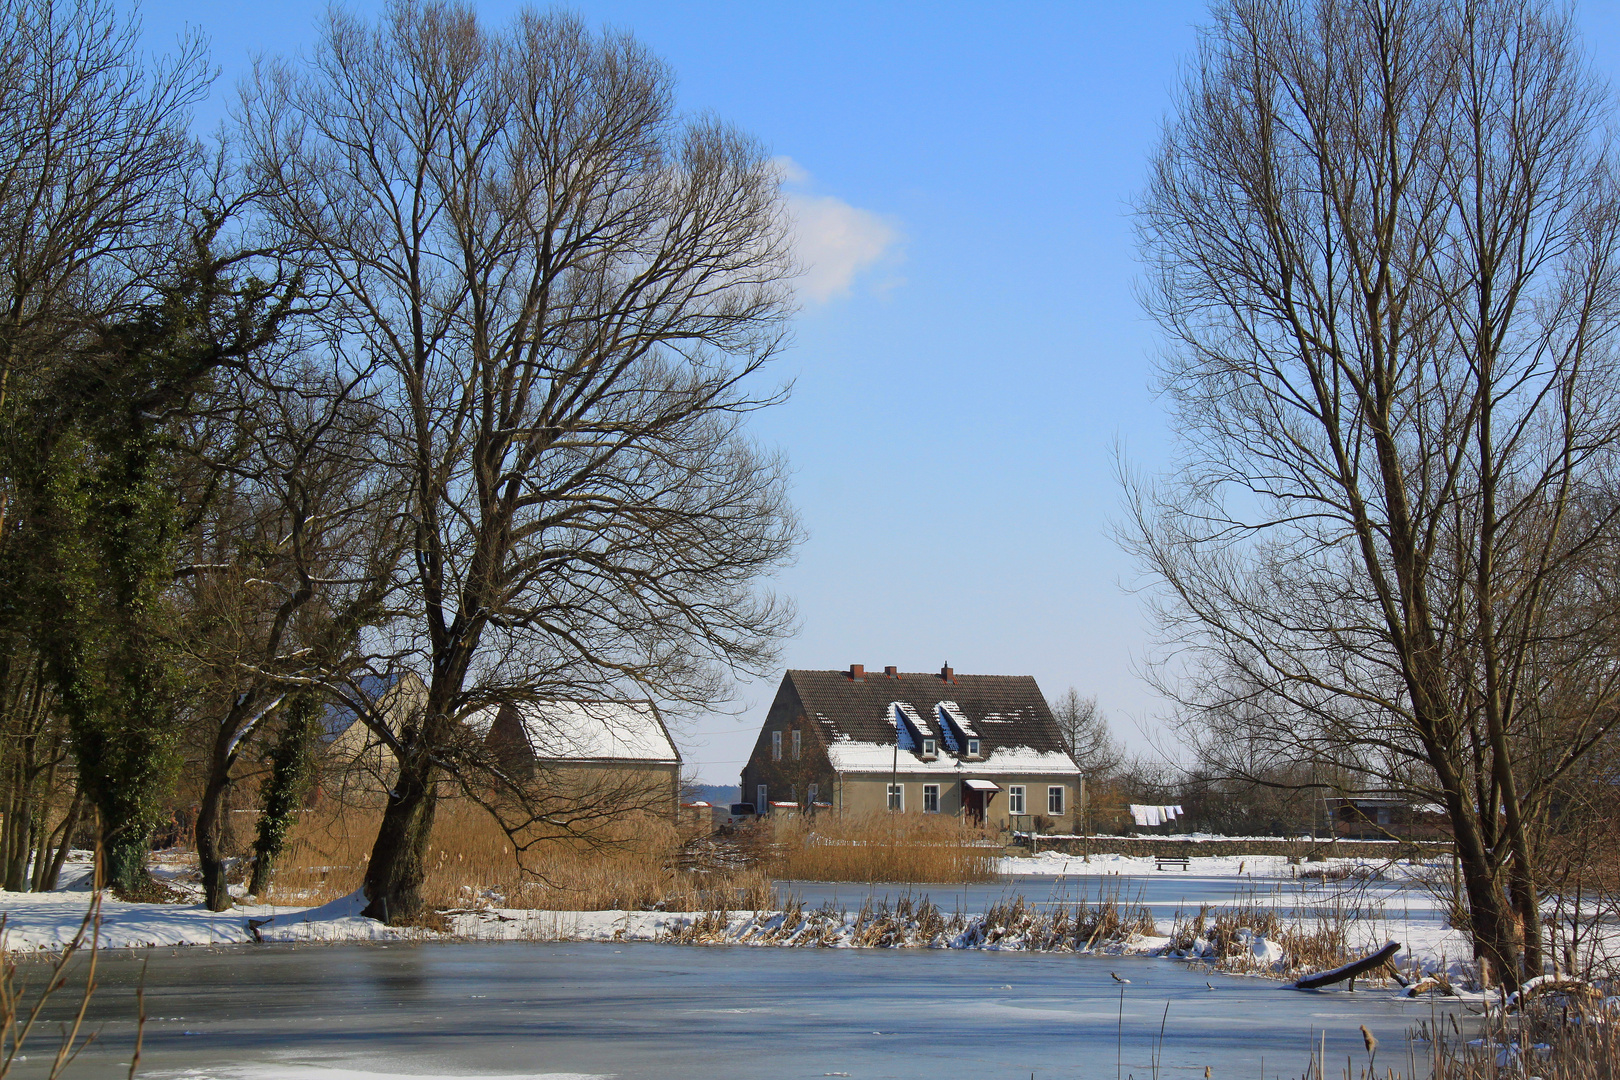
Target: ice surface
318, 1072
665, 1012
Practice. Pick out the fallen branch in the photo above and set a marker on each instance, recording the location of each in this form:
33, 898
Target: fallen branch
1429, 984
1548, 984
1350, 970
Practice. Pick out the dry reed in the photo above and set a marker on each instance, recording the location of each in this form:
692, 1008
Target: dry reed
472, 864
881, 848
911, 923
1557, 1037
1311, 941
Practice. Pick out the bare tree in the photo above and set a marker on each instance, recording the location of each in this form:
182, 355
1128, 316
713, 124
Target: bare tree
1382, 237
94, 160
569, 289
294, 563
1086, 735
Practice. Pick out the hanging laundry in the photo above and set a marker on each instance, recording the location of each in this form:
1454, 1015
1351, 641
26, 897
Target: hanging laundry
1147, 816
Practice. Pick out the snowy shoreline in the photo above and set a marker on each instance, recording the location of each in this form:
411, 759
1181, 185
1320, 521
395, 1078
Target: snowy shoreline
44, 922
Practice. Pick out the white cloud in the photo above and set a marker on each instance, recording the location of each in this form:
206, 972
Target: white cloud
834, 241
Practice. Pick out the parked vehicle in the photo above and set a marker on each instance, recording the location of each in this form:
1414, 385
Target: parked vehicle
737, 813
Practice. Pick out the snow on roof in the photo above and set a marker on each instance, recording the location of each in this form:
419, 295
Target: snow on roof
847, 755
596, 731
913, 717
958, 718
481, 720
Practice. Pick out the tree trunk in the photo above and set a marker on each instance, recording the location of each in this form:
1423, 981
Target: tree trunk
1526, 899
16, 830
69, 824
398, 864
42, 827
209, 834
1491, 922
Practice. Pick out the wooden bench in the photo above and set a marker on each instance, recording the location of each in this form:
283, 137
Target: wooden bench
1163, 861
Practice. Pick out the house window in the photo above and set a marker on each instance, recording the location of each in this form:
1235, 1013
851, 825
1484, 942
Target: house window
795, 744
897, 797
973, 748
761, 804
776, 746
930, 798
814, 790
1015, 799
928, 747
1054, 801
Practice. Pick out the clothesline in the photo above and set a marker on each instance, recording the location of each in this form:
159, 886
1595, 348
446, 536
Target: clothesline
1147, 816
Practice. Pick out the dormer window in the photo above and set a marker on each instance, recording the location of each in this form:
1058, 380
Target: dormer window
973, 748
928, 748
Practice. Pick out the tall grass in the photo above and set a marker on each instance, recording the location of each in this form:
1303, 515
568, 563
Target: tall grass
1312, 941
911, 923
640, 864
1557, 1037
881, 848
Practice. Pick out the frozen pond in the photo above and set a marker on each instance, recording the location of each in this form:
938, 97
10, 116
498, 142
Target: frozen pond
666, 1012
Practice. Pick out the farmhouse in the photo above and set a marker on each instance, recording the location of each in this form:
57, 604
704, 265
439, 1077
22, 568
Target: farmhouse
981, 747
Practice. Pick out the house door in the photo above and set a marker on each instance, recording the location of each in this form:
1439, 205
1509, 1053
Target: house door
973, 806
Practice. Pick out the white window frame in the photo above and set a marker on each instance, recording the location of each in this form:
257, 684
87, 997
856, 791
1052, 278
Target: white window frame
795, 744
973, 747
930, 798
762, 802
776, 746
1055, 800
1015, 800
895, 798
930, 748
815, 789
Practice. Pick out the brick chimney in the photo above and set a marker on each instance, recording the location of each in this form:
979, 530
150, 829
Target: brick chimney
947, 674
857, 672
892, 672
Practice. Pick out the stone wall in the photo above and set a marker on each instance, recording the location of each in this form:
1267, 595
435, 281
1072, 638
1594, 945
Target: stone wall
1178, 847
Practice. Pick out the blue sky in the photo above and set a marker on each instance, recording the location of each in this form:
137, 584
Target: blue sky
970, 350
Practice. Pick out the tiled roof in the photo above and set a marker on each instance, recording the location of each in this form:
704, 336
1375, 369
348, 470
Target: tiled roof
1004, 710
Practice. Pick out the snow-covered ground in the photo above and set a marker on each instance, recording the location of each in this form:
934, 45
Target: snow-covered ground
1259, 867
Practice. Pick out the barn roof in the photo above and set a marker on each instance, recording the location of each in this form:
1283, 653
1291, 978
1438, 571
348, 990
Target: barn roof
592, 730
